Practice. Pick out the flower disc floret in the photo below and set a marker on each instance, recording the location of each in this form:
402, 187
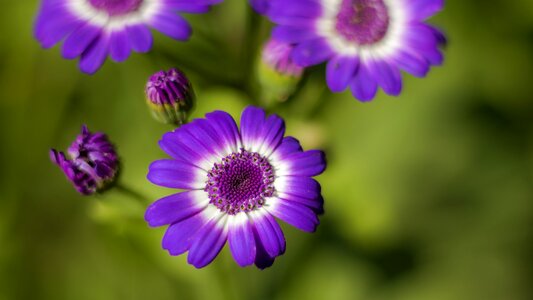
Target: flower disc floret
240, 182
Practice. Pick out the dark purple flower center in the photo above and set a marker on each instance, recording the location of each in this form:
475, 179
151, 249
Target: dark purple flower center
363, 21
116, 7
240, 182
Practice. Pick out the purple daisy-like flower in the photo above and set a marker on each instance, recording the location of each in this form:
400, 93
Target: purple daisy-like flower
94, 29
365, 42
236, 183
92, 163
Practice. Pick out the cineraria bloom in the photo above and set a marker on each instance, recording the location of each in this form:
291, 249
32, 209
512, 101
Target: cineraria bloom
94, 29
92, 163
365, 42
278, 75
170, 96
236, 183
277, 55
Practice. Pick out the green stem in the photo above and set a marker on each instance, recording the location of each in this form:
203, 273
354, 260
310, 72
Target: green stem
131, 193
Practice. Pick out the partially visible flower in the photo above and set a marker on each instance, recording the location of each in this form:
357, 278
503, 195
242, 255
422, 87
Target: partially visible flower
93, 29
277, 73
92, 163
364, 42
170, 96
235, 183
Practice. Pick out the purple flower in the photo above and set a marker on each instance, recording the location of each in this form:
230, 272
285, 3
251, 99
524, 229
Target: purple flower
277, 74
277, 55
93, 29
365, 42
235, 184
92, 164
170, 96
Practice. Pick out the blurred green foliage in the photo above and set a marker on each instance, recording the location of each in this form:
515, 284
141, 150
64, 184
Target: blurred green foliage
428, 196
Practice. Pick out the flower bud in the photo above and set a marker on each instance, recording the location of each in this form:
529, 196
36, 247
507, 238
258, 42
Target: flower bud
170, 96
277, 73
92, 163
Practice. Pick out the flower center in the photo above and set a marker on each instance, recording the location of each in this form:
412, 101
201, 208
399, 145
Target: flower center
240, 182
116, 7
363, 21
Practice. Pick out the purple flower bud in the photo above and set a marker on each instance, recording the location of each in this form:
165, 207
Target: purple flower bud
170, 96
278, 74
92, 163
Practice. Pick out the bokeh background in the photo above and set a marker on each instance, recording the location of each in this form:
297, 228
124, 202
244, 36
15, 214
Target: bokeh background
428, 195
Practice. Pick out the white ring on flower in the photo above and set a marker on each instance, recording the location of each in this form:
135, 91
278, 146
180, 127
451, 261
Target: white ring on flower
388, 45
84, 10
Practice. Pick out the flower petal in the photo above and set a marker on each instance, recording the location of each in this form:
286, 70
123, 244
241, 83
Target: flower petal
295, 214
227, 128
339, 72
363, 86
241, 239
119, 45
387, 76
93, 58
176, 207
269, 232
309, 163
177, 238
303, 190
175, 174
140, 38
171, 24
208, 242
311, 52
80, 40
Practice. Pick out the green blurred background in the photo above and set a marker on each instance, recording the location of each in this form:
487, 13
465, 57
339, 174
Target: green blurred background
428, 195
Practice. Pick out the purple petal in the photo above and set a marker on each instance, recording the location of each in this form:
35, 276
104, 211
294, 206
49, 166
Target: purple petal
271, 135
174, 174
119, 45
208, 242
80, 40
241, 240
191, 8
178, 237
423, 9
93, 58
53, 24
295, 9
292, 34
140, 38
339, 72
269, 233
387, 76
295, 214
311, 52
303, 190
252, 120
227, 128
176, 207
262, 259
179, 150
363, 86
288, 146
171, 24
412, 63
309, 163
